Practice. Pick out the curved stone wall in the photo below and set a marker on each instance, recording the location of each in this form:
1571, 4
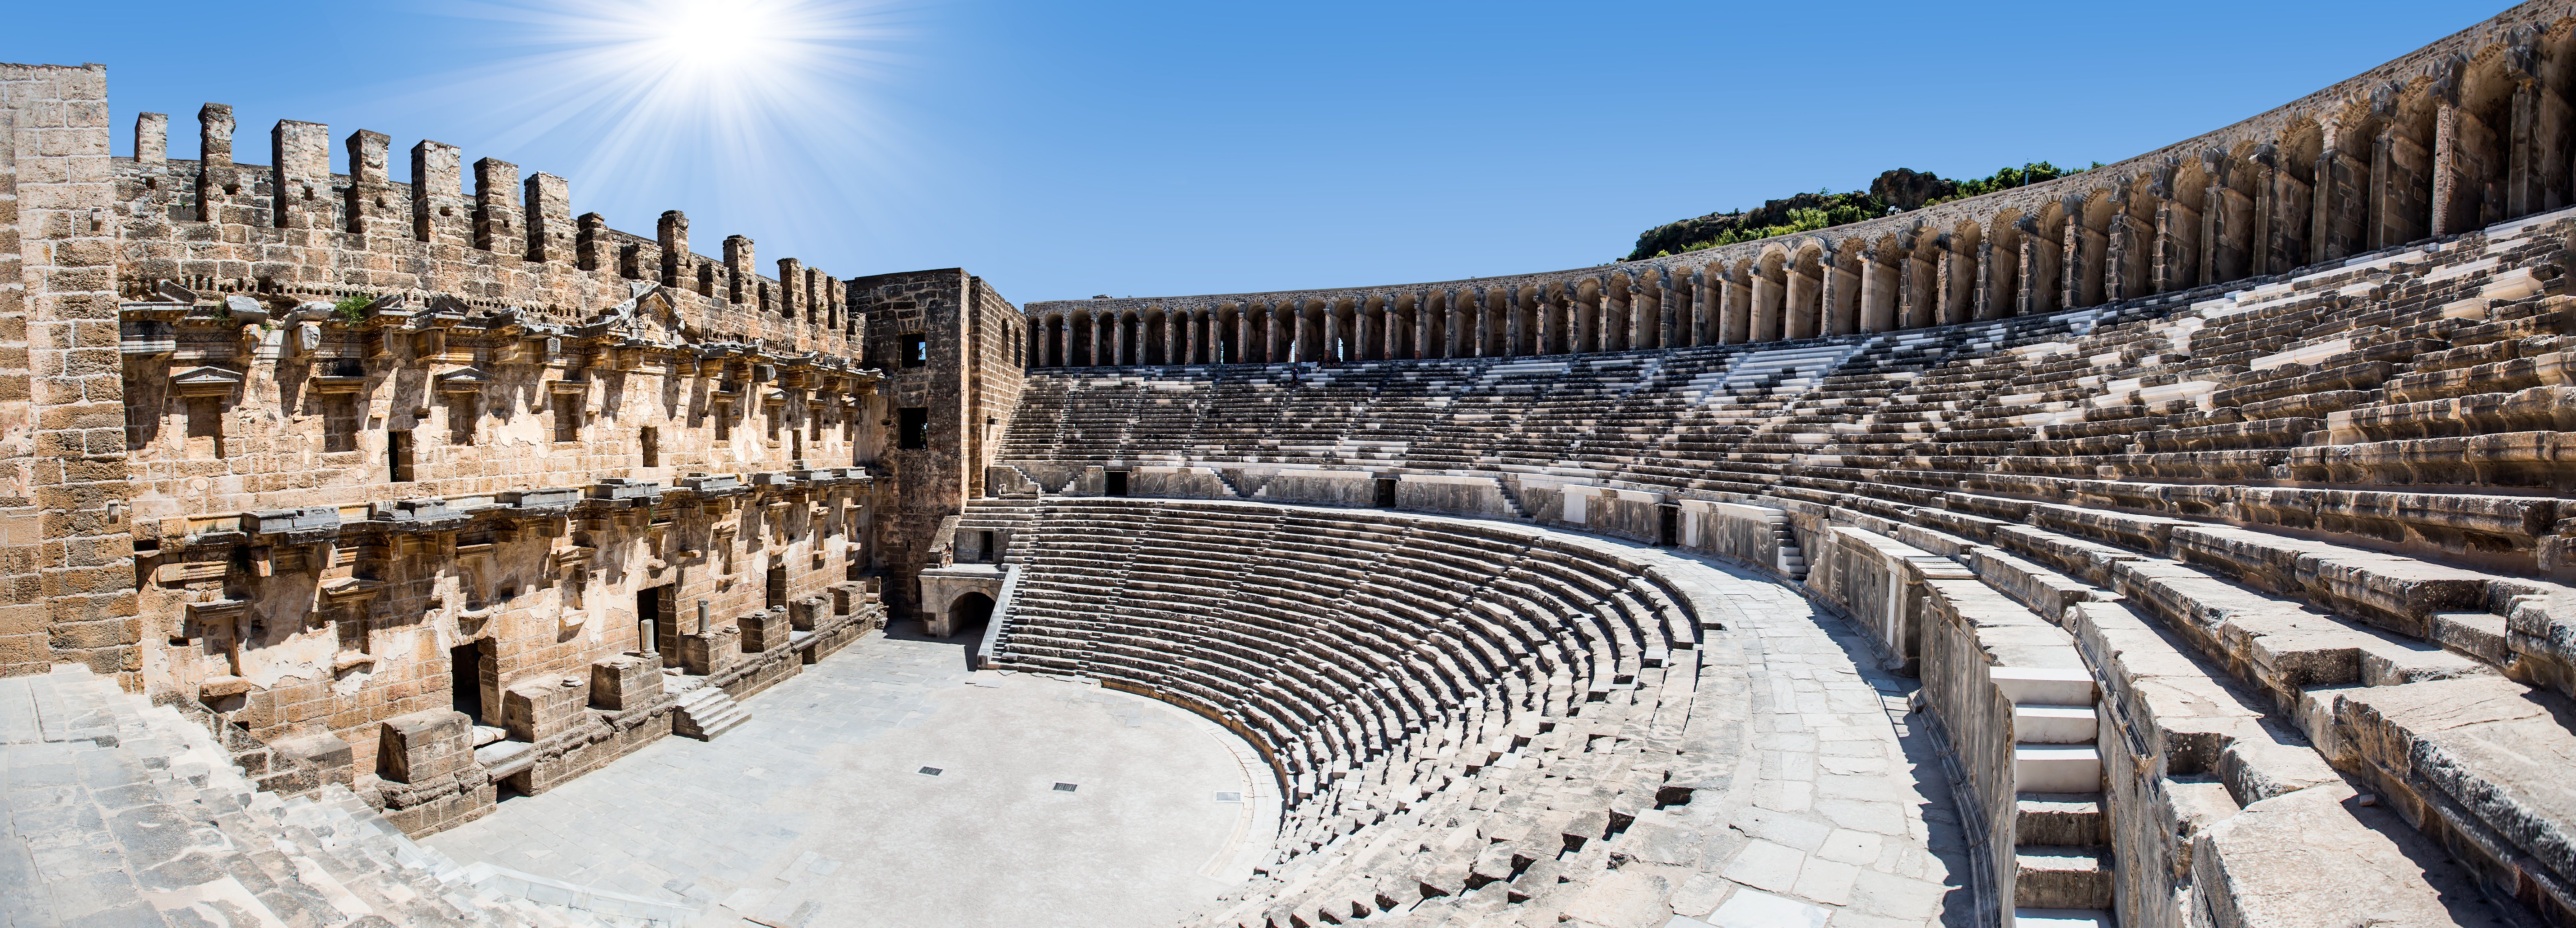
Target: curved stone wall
2467, 131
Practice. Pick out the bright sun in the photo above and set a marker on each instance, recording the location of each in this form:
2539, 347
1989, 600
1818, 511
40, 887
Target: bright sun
713, 37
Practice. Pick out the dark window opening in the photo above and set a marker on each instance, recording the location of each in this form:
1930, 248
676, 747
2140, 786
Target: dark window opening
914, 351
1669, 533
1385, 492
724, 424
777, 587
912, 427
990, 556
1117, 483
398, 456
651, 440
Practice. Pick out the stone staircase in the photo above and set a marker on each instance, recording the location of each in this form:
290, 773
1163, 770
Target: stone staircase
121, 813
2060, 835
705, 712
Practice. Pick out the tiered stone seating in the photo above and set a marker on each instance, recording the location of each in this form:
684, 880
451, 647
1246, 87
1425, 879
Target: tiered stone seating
2330, 489
1450, 704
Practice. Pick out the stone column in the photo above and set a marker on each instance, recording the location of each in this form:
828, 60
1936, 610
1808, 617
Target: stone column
1735, 313
2446, 169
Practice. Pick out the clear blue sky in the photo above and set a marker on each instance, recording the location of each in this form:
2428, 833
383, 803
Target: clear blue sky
1067, 149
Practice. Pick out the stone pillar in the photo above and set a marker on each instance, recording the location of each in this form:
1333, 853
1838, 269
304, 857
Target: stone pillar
421, 747
550, 228
1877, 303
497, 226
793, 301
438, 210
2446, 170
217, 179
678, 267
2522, 195
590, 244
534, 710
300, 175
151, 138
372, 187
627, 681
740, 286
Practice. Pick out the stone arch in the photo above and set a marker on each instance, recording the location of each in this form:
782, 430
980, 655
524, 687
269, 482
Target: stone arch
1841, 298
1803, 293
1879, 287
2401, 164
1770, 293
1959, 271
2482, 140
2088, 248
2294, 189
2000, 270
2043, 254
1736, 326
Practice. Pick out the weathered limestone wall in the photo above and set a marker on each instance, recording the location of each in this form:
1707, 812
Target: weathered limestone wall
336, 456
63, 509
2467, 131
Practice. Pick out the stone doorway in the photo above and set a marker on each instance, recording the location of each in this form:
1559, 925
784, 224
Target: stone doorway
969, 613
473, 674
657, 626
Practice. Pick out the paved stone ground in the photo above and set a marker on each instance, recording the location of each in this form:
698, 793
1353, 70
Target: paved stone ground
1850, 817
814, 812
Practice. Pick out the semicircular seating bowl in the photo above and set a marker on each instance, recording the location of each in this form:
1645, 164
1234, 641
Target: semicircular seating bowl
1392, 667
2337, 494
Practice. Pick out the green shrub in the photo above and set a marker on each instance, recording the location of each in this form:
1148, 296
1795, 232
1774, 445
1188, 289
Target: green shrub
353, 308
1893, 192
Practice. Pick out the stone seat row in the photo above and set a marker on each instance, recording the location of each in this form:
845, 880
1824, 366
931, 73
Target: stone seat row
1498, 646
1218, 643
2438, 709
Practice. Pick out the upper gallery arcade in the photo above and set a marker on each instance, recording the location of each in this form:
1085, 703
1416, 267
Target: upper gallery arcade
2468, 131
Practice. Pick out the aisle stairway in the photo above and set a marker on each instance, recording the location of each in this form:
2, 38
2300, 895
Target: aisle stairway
122, 813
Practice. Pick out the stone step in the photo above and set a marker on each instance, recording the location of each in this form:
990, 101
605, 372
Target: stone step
2062, 877
705, 712
2057, 768
2061, 819
2041, 723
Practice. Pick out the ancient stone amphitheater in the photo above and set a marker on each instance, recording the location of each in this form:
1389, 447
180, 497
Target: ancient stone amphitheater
2172, 543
